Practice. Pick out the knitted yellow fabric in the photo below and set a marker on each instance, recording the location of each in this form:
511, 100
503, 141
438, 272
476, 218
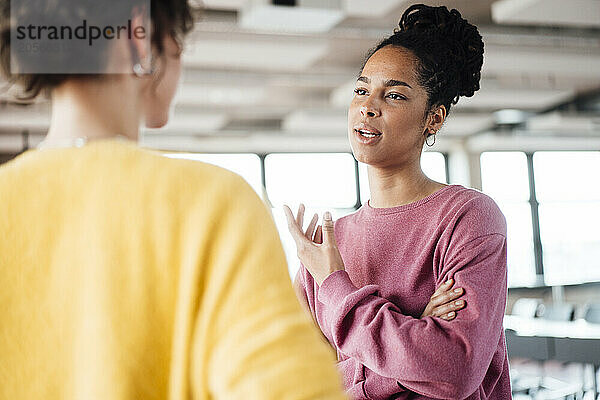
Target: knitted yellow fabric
128, 275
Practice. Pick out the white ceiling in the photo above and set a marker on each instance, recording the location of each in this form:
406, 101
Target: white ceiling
255, 71
267, 17
548, 12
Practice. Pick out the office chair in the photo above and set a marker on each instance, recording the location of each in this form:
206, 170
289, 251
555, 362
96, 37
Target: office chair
542, 386
557, 311
526, 307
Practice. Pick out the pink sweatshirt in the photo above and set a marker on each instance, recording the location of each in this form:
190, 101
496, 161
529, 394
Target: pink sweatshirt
395, 258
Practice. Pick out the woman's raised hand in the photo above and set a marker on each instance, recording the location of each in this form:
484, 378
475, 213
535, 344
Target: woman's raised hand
316, 248
318, 252
443, 303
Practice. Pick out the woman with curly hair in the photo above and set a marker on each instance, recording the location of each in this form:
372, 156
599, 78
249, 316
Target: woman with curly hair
368, 278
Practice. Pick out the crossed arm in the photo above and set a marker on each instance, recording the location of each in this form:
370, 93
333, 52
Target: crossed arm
375, 332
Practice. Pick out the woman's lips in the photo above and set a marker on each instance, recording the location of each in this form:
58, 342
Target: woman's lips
366, 140
367, 134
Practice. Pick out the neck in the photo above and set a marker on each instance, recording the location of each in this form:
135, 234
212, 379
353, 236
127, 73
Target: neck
94, 109
399, 185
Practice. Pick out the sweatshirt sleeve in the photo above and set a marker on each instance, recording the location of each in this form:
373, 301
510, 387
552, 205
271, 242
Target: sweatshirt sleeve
252, 339
430, 356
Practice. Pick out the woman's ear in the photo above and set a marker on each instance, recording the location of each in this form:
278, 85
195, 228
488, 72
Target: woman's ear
436, 119
141, 44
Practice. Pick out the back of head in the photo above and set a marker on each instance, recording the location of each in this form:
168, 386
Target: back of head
173, 18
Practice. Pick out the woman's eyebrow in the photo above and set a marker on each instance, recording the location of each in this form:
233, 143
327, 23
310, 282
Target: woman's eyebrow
393, 82
388, 83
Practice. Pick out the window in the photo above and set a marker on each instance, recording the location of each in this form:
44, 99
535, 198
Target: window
504, 177
317, 180
245, 165
433, 165
569, 210
322, 181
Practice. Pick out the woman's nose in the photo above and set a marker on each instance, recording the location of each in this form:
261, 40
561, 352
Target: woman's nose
368, 111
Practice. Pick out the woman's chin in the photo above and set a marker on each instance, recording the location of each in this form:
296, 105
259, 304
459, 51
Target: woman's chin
363, 156
156, 124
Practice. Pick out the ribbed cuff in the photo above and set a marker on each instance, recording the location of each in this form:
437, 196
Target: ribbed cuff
335, 288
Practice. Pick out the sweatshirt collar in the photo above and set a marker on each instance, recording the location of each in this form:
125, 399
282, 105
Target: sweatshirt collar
367, 209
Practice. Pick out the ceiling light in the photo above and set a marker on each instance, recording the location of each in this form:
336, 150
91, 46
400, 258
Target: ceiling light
199, 95
510, 117
577, 13
254, 54
372, 8
290, 19
225, 5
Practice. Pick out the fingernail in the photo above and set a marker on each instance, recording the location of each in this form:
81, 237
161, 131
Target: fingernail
327, 216
458, 303
449, 281
451, 314
457, 290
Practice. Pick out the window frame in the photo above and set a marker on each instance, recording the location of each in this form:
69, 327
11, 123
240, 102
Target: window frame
534, 205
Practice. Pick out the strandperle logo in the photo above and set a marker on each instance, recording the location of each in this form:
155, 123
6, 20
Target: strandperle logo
78, 36
81, 32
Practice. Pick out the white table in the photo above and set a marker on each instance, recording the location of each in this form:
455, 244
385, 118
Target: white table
540, 339
579, 329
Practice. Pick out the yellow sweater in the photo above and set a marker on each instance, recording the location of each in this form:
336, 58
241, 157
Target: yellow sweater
128, 275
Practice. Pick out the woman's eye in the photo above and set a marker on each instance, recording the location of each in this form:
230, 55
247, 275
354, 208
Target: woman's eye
360, 92
396, 96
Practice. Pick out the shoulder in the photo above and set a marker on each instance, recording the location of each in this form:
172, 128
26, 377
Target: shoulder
226, 203
189, 175
472, 228
180, 183
348, 220
178, 166
471, 213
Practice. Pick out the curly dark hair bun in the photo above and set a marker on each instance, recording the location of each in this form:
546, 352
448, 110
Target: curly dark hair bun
449, 50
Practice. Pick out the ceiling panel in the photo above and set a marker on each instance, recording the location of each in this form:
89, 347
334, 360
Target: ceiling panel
18, 118
289, 19
191, 124
560, 61
263, 55
495, 98
548, 12
220, 95
461, 124
565, 123
326, 122
253, 74
342, 96
373, 8
226, 5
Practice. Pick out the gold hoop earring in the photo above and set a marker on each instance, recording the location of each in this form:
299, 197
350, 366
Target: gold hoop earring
427, 139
